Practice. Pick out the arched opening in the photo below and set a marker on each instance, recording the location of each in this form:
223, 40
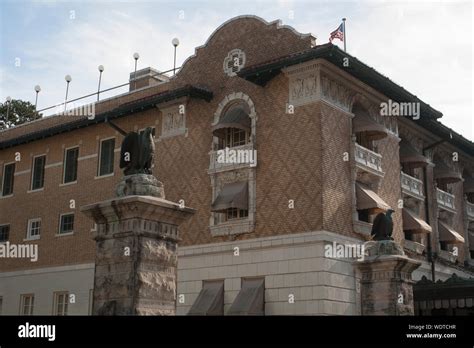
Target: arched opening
234, 126
366, 129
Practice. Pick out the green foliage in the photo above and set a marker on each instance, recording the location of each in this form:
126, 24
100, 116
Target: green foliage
17, 112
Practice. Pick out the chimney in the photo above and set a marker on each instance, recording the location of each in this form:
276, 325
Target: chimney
146, 77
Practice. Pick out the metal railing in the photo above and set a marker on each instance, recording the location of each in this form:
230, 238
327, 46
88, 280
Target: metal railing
103, 91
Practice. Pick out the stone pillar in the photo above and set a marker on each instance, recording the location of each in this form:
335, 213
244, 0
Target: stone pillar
386, 284
136, 255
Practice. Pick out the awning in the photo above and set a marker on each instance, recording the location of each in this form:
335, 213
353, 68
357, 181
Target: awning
362, 123
411, 157
368, 199
250, 299
210, 300
236, 117
445, 174
469, 185
413, 223
233, 195
448, 235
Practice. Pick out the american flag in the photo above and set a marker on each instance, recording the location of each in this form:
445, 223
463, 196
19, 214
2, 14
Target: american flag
338, 33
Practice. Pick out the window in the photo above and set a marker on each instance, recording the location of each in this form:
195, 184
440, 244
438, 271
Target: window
1, 305
365, 141
27, 303
4, 233
8, 176
409, 236
70, 165
106, 158
235, 213
233, 137
66, 224
364, 215
61, 300
34, 229
37, 178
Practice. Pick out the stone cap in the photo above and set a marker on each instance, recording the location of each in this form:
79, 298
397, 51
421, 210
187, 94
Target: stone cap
141, 207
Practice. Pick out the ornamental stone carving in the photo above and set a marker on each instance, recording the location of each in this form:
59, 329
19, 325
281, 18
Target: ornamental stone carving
336, 93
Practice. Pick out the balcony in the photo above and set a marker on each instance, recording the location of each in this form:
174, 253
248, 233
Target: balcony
447, 256
368, 161
414, 247
412, 186
470, 210
445, 200
233, 158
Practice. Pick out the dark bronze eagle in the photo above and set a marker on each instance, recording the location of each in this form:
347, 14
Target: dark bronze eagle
137, 152
382, 227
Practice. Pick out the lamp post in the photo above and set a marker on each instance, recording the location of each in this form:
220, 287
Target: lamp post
37, 90
9, 100
175, 43
135, 56
101, 70
68, 80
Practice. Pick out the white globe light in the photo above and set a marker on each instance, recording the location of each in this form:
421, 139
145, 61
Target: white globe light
68, 78
136, 56
37, 88
175, 42
101, 68
9, 99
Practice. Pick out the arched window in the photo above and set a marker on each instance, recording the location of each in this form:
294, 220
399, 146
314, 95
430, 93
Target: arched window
366, 129
234, 126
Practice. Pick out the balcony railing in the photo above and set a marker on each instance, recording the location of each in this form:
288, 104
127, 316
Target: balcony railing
414, 246
447, 255
233, 158
445, 200
368, 160
412, 186
470, 210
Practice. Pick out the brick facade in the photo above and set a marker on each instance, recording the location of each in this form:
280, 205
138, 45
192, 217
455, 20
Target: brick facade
300, 158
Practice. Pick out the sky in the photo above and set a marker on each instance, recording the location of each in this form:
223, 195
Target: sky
424, 46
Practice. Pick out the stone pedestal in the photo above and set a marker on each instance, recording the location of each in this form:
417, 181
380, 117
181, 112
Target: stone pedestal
141, 185
136, 255
386, 284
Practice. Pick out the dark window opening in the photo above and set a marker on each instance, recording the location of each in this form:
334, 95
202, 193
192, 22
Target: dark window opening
8, 179
38, 172
67, 223
4, 233
70, 170
106, 164
364, 215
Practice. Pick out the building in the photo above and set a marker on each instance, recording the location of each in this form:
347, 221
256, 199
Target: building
309, 159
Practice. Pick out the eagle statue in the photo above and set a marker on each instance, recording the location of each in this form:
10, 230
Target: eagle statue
382, 227
137, 152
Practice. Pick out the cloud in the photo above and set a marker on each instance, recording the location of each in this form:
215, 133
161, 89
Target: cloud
424, 46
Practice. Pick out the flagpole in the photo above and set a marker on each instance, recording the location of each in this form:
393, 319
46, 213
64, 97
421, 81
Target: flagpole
344, 24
